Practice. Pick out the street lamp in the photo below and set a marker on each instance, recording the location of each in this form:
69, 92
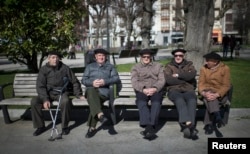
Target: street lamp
107, 25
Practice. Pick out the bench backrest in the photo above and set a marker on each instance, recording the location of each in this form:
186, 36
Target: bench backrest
25, 84
127, 89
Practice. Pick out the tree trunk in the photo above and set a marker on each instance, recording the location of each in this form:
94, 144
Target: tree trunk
146, 22
199, 24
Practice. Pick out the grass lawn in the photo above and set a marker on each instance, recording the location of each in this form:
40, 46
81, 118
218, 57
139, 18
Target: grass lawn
240, 77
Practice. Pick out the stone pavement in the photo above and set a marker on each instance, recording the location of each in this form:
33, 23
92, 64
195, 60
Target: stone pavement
119, 139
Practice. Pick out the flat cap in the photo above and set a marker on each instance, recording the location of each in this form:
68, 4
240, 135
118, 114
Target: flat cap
178, 50
100, 50
146, 51
212, 55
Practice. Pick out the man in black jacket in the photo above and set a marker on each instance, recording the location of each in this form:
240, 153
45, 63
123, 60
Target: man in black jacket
52, 76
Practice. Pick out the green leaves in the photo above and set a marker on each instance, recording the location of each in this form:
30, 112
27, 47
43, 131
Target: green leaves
36, 27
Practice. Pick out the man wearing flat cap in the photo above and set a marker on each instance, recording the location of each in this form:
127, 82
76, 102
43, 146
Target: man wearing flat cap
213, 85
148, 80
52, 76
180, 82
97, 78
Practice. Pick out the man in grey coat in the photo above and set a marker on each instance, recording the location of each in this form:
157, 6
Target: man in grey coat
97, 77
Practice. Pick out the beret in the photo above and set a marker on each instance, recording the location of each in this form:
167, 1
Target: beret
178, 50
146, 51
212, 55
55, 53
100, 50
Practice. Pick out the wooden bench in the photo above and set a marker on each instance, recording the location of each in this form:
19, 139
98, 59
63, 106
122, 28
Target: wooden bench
24, 88
125, 99
131, 53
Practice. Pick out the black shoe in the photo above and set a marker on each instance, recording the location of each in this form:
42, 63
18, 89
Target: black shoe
65, 131
186, 132
143, 133
220, 123
149, 133
208, 129
91, 133
193, 134
39, 131
103, 119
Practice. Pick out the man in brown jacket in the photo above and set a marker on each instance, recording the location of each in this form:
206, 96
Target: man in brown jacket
214, 84
181, 83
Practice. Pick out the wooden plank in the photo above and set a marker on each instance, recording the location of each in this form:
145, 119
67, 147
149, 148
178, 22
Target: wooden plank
124, 53
134, 53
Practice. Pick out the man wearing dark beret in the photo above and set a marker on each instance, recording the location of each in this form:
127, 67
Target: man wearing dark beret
52, 76
148, 80
97, 78
180, 81
213, 85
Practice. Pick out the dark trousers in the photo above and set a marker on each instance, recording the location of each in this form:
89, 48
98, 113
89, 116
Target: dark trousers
95, 101
149, 115
37, 114
212, 107
185, 103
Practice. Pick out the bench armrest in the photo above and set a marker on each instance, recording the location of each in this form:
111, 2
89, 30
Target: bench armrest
111, 94
2, 89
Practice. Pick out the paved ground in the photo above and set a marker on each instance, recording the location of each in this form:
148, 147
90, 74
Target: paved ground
119, 139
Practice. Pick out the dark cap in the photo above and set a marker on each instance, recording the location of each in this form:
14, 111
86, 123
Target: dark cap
212, 55
55, 53
178, 50
100, 50
146, 51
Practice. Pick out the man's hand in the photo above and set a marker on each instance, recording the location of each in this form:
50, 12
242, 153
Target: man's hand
149, 91
98, 83
46, 105
210, 96
82, 98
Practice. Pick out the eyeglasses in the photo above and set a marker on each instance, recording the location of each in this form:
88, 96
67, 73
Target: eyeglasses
178, 55
148, 57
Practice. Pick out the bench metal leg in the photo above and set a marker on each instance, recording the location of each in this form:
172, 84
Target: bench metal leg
6, 114
113, 114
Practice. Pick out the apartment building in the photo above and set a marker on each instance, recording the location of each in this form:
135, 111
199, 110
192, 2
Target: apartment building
168, 27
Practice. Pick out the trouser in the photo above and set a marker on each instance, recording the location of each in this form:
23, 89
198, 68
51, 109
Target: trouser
185, 103
95, 101
149, 114
213, 107
37, 114
225, 50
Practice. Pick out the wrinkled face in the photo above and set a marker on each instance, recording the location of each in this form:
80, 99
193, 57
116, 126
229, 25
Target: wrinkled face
100, 58
146, 58
210, 63
178, 57
53, 60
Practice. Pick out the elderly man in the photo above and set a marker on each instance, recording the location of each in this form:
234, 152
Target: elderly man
51, 76
148, 80
181, 83
97, 77
214, 84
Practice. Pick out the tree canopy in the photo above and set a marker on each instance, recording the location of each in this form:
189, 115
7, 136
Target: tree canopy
31, 28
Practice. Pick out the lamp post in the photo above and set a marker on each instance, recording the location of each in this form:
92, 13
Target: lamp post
107, 13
